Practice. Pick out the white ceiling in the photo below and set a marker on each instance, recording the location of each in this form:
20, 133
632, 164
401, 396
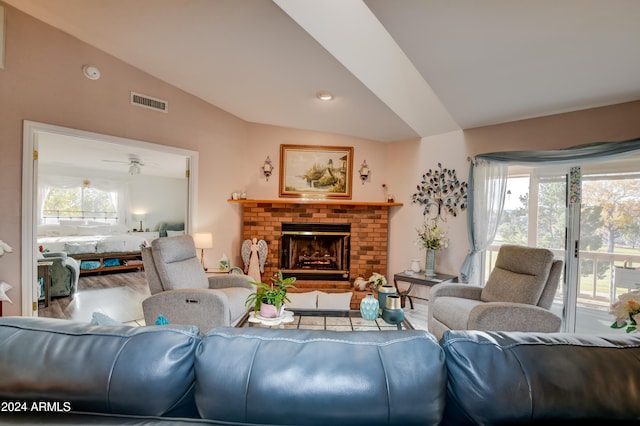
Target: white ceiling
60, 154
399, 69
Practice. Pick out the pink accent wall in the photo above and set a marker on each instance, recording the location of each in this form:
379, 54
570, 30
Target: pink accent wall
43, 82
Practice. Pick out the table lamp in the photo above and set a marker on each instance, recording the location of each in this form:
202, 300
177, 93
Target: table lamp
203, 240
139, 217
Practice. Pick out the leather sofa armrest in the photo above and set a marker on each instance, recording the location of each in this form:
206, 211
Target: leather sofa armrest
522, 317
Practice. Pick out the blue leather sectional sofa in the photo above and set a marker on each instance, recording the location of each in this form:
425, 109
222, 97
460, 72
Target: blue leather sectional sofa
66, 373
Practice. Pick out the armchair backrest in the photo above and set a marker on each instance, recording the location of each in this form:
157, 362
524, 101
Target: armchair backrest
172, 263
521, 275
549, 292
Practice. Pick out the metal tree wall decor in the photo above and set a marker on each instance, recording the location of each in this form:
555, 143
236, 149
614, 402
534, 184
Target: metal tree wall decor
441, 192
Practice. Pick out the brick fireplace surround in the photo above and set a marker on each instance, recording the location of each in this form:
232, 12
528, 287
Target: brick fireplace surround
262, 219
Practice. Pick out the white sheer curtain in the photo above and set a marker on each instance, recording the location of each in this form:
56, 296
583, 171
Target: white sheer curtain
487, 188
118, 192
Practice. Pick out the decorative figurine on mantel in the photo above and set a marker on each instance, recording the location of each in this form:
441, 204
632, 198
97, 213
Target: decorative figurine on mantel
254, 256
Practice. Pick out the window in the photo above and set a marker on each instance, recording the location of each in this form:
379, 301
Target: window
80, 202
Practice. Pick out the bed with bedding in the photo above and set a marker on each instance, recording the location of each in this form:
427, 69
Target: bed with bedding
98, 247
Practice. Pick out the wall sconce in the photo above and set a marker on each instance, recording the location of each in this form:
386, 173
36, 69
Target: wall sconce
203, 240
364, 171
267, 168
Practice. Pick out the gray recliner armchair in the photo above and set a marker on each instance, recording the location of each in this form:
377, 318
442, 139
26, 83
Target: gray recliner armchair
516, 297
65, 273
181, 291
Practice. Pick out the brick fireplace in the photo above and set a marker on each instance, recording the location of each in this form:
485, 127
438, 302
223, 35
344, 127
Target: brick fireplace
369, 231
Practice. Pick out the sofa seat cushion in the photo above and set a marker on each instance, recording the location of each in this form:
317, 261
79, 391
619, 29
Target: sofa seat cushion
317, 377
453, 311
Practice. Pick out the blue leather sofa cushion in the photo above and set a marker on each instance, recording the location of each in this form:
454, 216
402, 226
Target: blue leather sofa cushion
315, 377
513, 378
144, 371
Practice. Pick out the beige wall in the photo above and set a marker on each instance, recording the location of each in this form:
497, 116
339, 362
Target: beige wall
43, 82
606, 124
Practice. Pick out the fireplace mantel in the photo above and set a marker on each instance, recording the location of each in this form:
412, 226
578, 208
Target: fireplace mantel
318, 201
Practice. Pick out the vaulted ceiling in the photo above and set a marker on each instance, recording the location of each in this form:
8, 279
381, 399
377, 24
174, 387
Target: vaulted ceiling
398, 69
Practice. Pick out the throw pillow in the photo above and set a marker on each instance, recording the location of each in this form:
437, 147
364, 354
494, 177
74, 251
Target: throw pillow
338, 301
171, 233
306, 300
162, 320
98, 318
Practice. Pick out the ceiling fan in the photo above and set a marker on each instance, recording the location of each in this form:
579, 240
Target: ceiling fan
135, 164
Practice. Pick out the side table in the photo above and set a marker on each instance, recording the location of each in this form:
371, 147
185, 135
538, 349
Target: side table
420, 279
44, 274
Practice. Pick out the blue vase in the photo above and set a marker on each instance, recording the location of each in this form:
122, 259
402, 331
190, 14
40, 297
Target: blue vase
392, 312
383, 292
369, 307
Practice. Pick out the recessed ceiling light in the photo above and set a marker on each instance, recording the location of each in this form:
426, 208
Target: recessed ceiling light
324, 95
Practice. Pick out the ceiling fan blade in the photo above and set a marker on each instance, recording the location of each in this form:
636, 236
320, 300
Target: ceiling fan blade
116, 161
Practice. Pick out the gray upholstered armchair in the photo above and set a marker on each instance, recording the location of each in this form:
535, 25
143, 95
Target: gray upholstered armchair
181, 291
517, 296
65, 273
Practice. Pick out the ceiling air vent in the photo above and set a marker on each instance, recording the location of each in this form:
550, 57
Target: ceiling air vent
145, 101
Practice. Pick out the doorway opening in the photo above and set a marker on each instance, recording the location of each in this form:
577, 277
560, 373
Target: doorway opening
56, 157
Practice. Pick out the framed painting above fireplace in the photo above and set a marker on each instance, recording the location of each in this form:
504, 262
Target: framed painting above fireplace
308, 171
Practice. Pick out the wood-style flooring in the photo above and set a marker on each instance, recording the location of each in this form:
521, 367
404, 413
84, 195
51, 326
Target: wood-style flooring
118, 295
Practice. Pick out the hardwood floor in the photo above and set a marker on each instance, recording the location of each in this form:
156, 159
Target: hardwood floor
118, 295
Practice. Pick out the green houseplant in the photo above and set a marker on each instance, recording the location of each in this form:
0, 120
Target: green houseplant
269, 299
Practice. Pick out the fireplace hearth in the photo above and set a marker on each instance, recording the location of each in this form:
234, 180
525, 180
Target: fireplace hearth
315, 251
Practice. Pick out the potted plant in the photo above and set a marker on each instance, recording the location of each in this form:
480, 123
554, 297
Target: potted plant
269, 299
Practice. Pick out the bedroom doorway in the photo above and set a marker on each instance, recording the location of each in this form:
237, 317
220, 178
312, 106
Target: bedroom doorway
138, 174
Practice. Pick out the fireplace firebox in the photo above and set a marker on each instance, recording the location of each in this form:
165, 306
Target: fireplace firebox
315, 251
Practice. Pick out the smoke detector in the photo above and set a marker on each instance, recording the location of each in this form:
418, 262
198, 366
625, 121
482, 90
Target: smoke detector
91, 72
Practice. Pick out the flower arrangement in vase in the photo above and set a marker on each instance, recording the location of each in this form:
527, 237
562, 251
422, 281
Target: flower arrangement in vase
431, 237
627, 311
376, 280
269, 299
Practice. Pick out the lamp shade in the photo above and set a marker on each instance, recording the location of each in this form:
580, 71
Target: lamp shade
203, 240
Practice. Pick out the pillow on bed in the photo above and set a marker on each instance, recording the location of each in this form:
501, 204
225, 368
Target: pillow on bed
118, 229
48, 230
171, 233
79, 248
68, 230
93, 230
108, 245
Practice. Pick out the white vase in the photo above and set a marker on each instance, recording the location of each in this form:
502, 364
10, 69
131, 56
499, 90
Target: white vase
415, 265
430, 263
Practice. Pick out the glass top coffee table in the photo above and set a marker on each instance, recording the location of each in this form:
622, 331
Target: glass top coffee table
318, 319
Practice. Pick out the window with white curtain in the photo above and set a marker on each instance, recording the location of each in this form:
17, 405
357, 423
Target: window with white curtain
62, 197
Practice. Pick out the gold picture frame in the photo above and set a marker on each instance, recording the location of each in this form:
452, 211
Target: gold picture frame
309, 171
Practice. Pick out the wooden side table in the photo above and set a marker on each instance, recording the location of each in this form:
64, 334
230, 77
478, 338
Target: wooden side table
44, 273
420, 279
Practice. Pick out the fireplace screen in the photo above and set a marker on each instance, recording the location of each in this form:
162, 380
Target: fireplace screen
315, 251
